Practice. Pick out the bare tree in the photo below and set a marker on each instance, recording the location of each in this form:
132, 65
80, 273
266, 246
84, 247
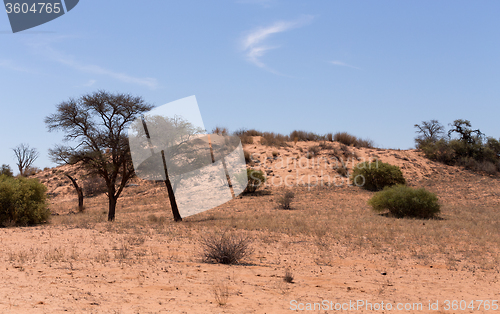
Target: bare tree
429, 131
25, 156
97, 124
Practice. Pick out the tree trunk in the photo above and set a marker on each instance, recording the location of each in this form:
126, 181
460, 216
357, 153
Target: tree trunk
112, 207
171, 195
79, 191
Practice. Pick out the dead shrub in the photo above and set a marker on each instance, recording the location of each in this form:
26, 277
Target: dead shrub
220, 131
274, 139
304, 136
314, 150
288, 276
345, 138
246, 139
286, 200
343, 171
225, 248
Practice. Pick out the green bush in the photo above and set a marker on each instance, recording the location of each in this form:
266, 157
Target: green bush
255, 179
22, 202
404, 201
376, 175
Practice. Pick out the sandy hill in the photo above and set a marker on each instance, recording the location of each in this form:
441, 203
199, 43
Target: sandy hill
298, 164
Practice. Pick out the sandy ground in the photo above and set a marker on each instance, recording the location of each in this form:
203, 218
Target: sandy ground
338, 252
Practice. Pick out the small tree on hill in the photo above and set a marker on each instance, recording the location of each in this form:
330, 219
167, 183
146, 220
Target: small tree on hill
429, 132
97, 124
6, 170
25, 156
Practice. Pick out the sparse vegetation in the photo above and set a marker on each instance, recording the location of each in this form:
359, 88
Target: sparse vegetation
221, 293
470, 149
288, 276
220, 131
404, 201
256, 180
225, 248
274, 139
286, 199
6, 171
376, 175
22, 202
351, 140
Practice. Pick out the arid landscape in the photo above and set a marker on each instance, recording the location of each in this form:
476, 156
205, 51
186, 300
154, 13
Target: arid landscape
331, 246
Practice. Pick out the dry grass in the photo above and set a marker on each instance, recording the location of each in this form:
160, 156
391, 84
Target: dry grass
339, 217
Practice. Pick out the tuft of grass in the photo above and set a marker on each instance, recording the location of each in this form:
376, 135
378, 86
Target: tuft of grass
225, 248
221, 293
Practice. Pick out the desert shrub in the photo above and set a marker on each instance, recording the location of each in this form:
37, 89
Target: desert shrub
255, 180
345, 138
304, 136
22, 201
220, 131
250, 132
29, 171
274, 139
248, 156
343, 171
351, 140
288, 276
487, 166
94, 185
376, 175
246, 139
286, 199
6, 170
329, 137
439, 151
225, 248
314, 151
364, 143
404, 201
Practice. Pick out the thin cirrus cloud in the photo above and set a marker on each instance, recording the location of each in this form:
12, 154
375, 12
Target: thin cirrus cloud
46, 49
342, 64
11, 65
254, 46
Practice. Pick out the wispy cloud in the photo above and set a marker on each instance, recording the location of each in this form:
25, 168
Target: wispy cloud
342, 64
253, 43
70, 61
89, 83
11, 65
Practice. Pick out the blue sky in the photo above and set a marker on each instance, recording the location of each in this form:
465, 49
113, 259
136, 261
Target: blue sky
371, 68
